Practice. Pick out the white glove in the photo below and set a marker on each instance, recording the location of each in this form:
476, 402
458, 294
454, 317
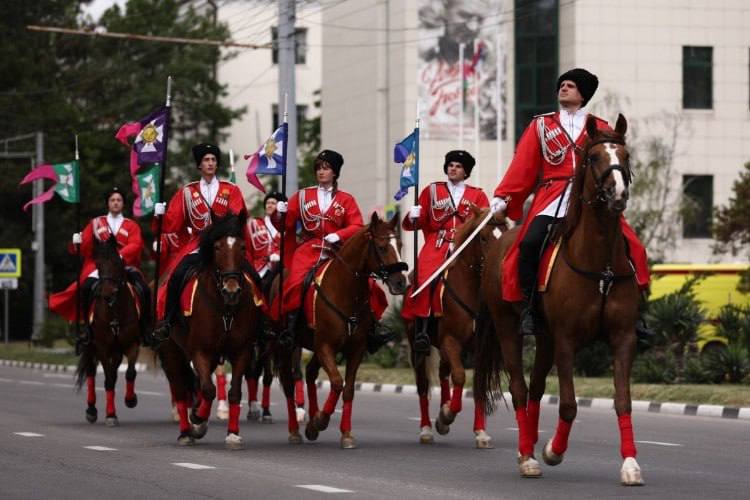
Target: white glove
153, 245
282, 207
274, 257
497, 205
415, 212
332, 238
76, 238
160, 208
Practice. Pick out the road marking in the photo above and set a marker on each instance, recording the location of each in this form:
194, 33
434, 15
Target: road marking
151, 393
323, 488
516, 429
100, 448
56, 375
30, 382
29, 434
658, 443
416, 419
188, 465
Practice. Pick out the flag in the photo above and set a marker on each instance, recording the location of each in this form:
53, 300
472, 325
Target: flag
148, 188
65, 180
406, 153
269, 158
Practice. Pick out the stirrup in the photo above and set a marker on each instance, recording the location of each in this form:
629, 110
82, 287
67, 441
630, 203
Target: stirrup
159, 334
378, 336
422, 341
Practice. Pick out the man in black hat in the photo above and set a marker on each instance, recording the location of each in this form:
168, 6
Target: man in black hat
443, 207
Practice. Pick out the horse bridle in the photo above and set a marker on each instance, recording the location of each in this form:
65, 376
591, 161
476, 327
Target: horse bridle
385, 270
600, 195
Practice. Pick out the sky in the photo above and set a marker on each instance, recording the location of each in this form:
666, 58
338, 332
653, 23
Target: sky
96, 8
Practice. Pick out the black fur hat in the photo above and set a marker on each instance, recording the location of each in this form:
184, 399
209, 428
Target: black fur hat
201, 150
462, 157
586, 82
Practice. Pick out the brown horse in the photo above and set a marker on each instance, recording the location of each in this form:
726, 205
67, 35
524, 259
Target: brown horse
342, 319
116, 330
454, 334
223, 325
591, 293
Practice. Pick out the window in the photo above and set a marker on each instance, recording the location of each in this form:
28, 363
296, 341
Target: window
697, 78
301, 115
697, 206
536, 49
300, 45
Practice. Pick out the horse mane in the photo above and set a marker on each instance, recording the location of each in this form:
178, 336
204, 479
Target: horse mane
465, 229
573, 215
230, 225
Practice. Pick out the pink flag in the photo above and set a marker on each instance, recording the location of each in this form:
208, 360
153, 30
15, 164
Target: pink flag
251, 175
44, 171
127, 131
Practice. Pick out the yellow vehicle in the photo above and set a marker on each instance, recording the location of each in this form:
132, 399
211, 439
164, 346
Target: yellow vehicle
717, 289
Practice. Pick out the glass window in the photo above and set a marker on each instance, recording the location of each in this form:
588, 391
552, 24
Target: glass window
300, 45
697, 206
697, 77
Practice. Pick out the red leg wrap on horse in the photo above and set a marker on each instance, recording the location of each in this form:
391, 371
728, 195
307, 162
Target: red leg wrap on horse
204, 409
333, 398
299, 393
312, 398
424, 411
532, 409
346, 417
252, 390
91, 391
110, 402
234, 418
479, 423
525, 446
221, 387
445, 392
129, 389
266, 402
627, 443
560, 441
456, 400
291, 412
182, 410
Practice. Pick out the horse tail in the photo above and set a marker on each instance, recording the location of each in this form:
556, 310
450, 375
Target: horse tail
488, 363
85, 362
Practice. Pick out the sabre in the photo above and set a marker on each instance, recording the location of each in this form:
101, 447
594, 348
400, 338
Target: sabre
454, 254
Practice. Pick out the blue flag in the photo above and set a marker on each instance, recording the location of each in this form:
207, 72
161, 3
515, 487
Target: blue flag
406, 153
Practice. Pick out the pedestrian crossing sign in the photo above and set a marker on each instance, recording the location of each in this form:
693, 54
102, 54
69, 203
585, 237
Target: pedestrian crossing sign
10, 262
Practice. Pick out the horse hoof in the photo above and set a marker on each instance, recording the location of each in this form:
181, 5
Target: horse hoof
311, 432
322, 420
199, 430
222, 410
426, 436
348, 442
233, 442
185, 440
254, 412
91, 414
266, 419
529, 467
446, 415
300, 415
112, 422
630, 473
549, 456
483, 440
132, 403
440, 427
295, 438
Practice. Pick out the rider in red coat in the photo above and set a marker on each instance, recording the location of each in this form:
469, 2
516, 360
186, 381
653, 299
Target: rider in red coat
127, 232
544, 164
266, 240
443, 207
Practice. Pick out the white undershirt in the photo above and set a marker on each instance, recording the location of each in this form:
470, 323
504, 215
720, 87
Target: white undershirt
325, 196
209, 190
114, 222
573, 124
457, 191
269, 226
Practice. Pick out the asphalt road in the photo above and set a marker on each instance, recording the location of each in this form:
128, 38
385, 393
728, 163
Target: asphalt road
65, 457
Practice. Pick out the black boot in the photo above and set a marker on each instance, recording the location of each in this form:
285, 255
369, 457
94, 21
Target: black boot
421, 336
286, 336
378, 336
159, 334
530, 321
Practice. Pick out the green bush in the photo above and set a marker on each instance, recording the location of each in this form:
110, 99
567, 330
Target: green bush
733, 323
731, 364
654, 367
594, 360
54, 328
695, 371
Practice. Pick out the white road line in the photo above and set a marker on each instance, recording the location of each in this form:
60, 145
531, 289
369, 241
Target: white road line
416, 419
540, 431
30, 382
100, 448
151, 393
323, 488
658, 443
29, 434
56, 375
188, 465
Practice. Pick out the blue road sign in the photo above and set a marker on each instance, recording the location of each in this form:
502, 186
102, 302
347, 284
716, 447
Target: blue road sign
10, 262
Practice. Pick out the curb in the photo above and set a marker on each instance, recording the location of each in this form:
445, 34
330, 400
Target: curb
730, 412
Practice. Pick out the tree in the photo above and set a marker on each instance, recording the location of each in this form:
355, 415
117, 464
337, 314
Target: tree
732, 223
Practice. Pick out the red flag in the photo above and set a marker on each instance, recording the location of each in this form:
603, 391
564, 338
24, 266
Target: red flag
127, 131
44, 171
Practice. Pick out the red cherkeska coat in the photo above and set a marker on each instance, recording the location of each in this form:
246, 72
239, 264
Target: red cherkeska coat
343, 217
129, 245
263, 244
440, 218
529, 169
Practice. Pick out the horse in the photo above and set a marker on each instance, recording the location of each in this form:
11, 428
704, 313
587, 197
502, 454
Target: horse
114, 319
342, 319
452, 333
592, 293
223, 324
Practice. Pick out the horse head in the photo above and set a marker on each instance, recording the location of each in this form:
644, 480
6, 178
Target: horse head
606, 157
222, 250
111, 270
384, 253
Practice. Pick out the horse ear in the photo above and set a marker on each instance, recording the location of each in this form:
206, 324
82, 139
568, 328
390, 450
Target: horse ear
591, 129
622, 125
374, 219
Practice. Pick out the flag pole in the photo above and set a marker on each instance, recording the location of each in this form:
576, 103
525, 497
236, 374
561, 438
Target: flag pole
232, 177
476, 111
461, 47
285, 126
416, 197
78, 249
160, 194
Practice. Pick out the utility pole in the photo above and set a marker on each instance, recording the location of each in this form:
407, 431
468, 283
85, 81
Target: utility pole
287, 50
37, 245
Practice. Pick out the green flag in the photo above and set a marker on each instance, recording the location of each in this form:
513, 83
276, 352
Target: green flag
148, 188
68, 186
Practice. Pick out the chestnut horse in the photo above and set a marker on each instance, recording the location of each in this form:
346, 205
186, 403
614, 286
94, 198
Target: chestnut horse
454, 334
591, 293
342, 320
116, 331
223, 325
